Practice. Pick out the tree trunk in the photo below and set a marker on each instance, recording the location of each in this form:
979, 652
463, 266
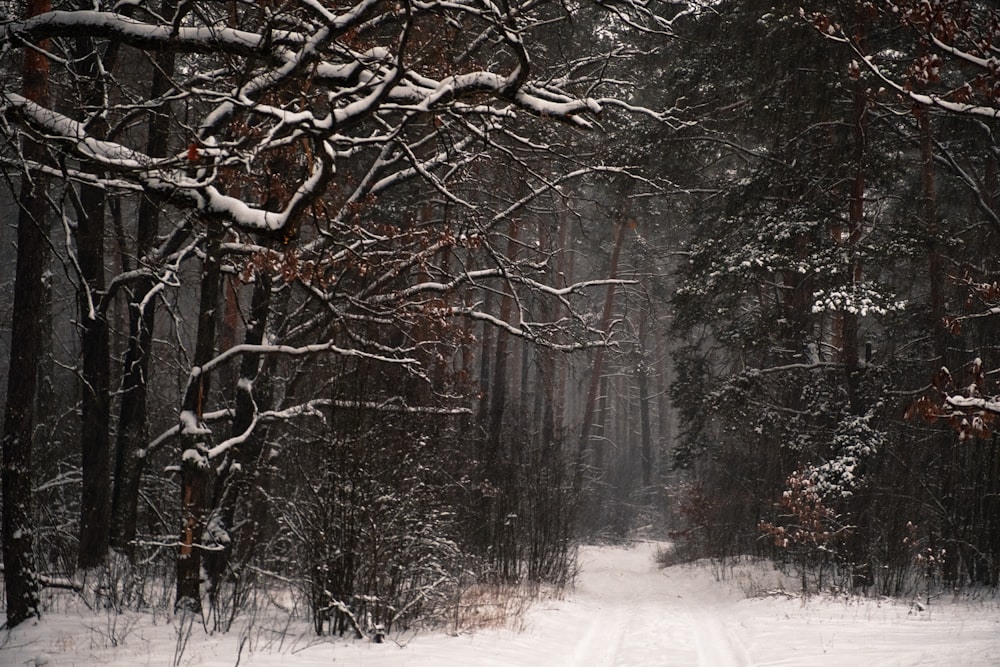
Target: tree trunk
499, 389
546, 372
196, 467
597, 367
928, 212
861, 575
20, 573
646, 436
229, 485
132, 428
486, 354
565, 267
95, 411
849, 321
600, 448
95, 501
95, 438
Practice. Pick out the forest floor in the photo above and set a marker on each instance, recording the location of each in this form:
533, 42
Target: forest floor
624, 610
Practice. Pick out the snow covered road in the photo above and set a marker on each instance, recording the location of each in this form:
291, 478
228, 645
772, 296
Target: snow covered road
624, 611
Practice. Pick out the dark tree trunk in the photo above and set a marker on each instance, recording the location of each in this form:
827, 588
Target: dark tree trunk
546, 373
646, 435
95, 501
20, 573
856, 218
600, 448
597, 368
229, 487
499, 389
95, 436
132, 428
95, 441
862, 574
196, 467
928, 212
19, 417
46, 401
485, 356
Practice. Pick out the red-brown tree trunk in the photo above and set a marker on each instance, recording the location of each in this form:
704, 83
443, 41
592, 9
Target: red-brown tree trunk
597, 367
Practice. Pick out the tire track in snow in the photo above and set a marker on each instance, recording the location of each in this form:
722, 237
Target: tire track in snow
717, 646
638, 616
602, 641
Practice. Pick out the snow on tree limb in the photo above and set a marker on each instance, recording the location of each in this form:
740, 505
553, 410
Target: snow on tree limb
359, 85
309, 408
941, 26
328, 347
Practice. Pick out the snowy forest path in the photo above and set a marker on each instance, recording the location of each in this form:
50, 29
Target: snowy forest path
625, 611
644, 615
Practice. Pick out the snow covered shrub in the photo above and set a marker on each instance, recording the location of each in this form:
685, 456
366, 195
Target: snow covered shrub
482, 605
519, 517
853, 443
697, 510
808, 521
815, 521
370, 530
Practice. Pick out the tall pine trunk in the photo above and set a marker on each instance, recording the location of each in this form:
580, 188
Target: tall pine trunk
597, 367
20, 574
499, 389
856, 218
646, 435
95, 409
928, 213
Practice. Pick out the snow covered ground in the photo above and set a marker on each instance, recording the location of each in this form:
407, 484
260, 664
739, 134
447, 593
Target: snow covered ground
624, 611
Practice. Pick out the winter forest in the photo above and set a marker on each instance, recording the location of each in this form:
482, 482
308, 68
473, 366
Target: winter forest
368, 304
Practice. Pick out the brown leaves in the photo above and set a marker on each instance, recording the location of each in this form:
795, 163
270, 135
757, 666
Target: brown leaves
942, 380
977, 426
968, 32
924, 408
924, 70
809, 521
963, 408
287, 265
821, 22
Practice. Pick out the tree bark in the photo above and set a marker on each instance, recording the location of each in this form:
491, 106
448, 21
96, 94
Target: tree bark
132, 428
196, 467
229, 487
646, 435
95, 440
20, 574
546, 372
597, 368
928, 212
600, 447
856, 217
95, 410
486, 353
499, 389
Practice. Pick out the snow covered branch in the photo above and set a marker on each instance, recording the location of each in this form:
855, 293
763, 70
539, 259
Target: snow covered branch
328, 347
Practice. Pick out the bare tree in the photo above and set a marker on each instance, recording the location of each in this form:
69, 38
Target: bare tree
289, 144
